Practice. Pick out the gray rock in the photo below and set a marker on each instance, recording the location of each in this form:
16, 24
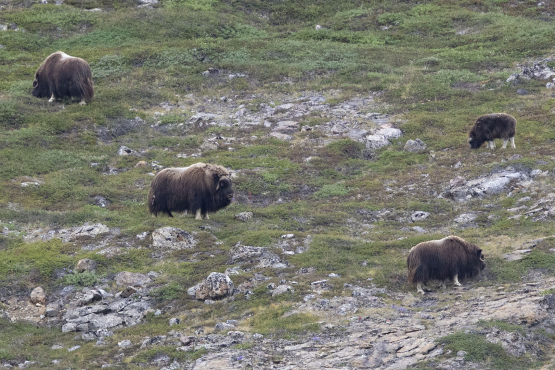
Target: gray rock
101, 201
465, 218
415, 146
38, 296
376, 141
287, 127
124, 151
172, 238
128, 292
483, 186
281, 136
174, 321
223, 326
280, 289
125, 343
133, 279
73, 348
244, 216
215, 286
85, 264
418, 216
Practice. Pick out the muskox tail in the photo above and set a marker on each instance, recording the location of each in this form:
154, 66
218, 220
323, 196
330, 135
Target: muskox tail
419, 274
88, 91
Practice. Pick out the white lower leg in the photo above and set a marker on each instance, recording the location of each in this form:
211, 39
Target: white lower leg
82, 102
206, 217
513, 142
51, 99
443, 284
456, 280
198, 215
419, 288
505, 142
492, 144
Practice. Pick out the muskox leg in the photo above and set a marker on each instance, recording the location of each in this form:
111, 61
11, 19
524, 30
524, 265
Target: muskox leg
456, 280
443, 284
513, 142
52, 99
206, 217
492, 144
505, 142
198, 215
82, 102
419, 288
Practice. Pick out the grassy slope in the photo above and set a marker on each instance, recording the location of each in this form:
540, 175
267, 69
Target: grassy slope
439, 63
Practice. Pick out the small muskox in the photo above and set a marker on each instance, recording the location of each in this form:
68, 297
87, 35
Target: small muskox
63, 75
199, 189
492, 126
444, 259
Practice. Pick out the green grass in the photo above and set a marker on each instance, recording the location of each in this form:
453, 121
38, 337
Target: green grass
478, 349
434, 66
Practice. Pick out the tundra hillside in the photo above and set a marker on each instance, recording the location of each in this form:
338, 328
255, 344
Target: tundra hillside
347, 144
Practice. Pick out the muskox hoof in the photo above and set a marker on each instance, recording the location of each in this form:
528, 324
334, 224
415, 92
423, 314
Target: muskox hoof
82, 102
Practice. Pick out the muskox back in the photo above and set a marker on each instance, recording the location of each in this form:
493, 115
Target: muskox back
492, 126
444, 259
62, 75
200, 188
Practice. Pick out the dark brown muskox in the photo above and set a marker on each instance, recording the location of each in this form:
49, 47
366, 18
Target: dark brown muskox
63, 75
492, 126
199, 189
447, 258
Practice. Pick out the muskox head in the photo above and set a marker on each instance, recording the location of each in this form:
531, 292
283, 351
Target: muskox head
40, 88
224, 191
478, 261
474, 142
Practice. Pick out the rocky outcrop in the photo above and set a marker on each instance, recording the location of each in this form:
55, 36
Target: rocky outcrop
215, 286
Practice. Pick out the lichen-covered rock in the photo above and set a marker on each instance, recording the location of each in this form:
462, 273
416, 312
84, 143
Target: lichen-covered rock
172, 238
415, 146
133, 279
85, 265
215, 286
38, 296
244, 216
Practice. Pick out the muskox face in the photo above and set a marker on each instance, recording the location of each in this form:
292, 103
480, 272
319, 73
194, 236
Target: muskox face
474, 142
225, 192
479, 260
40, 90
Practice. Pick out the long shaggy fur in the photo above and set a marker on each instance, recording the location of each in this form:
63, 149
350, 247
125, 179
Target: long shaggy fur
443, 259
62, 75
492, 126
202, 186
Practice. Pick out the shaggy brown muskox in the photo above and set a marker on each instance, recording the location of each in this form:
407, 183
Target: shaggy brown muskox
447, 258
492, 126
199, 188
63, 75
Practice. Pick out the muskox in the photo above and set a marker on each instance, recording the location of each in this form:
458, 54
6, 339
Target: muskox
199, 189
444, 259
62, 75
492, 126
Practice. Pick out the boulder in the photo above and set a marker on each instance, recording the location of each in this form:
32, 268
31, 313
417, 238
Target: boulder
85, 265
215, 286
172, 238
244, 216
133, 279
415, 146
38, 296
